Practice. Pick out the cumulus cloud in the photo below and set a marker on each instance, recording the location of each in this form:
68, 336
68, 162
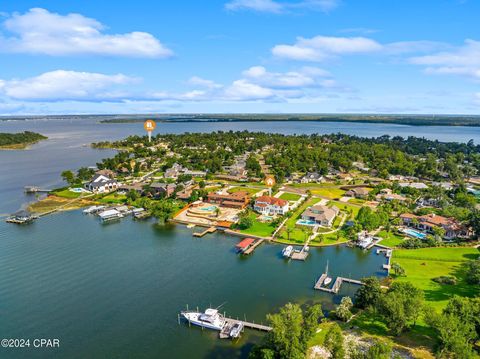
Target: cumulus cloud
319, 47
277, 7
201, 82
39, 31
463, 60
61, 85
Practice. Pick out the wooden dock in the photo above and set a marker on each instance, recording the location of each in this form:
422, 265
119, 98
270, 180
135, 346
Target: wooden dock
299, 255
208, 230
336, 285
230, 322
250, 249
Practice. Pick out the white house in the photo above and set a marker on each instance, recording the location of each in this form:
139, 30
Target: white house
271, 205
102, 184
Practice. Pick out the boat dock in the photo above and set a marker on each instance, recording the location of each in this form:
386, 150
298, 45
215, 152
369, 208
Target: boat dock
230, 322
252, 247
300, 255
336, 285
34, 189
208, 230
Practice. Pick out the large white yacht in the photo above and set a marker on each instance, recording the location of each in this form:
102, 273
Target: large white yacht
210, 319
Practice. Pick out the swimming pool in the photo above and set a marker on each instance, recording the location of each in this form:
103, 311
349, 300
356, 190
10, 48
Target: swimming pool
306, 222
209, 208
413, 233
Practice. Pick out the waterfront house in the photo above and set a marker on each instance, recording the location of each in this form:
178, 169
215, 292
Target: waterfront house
358, 192
101, 184
312, 177
271, 206
163, 190
428, 222
321, 215
238, 200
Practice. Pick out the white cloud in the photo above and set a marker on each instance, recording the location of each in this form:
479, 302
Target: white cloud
201, 82
319, 48
61, 85
242, 90
292, 79
464, 61
278, 7
39, 31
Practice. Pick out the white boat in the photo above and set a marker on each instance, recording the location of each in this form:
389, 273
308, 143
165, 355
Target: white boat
210, 319
236, 330
328, 279
287, 251
93, 209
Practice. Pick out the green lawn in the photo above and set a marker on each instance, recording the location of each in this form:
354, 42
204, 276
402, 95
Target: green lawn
244, 189
329, 192
113, 198
290, 196
264, 229
421, 265
66, 193
346, 207
390, 239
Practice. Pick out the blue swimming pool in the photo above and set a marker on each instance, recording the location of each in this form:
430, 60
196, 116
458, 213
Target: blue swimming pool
413, 233
209, 208
305, 222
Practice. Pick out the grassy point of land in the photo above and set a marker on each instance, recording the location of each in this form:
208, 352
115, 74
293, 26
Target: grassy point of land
421, 265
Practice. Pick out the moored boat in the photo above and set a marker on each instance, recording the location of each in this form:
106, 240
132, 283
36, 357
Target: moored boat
236, 330
210, 319
287, 251
328, 279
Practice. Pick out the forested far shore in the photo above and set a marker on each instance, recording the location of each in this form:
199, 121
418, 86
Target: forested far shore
20, 139
411, 120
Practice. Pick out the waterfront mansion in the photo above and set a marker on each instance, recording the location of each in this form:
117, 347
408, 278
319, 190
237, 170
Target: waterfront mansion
101, 184
321, 215
271, 206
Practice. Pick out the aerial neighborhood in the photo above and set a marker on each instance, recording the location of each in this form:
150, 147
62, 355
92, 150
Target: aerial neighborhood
300, 192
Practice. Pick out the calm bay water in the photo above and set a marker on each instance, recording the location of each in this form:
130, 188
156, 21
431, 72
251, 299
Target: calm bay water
114, 291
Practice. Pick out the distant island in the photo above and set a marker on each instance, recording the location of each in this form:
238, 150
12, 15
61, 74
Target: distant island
20, 140
411, 120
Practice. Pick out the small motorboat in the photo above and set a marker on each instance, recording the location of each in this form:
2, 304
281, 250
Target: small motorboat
236, 330
287, 251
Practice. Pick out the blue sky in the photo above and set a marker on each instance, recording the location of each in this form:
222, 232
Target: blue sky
313, 56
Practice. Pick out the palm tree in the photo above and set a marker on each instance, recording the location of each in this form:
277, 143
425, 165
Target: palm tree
289, 231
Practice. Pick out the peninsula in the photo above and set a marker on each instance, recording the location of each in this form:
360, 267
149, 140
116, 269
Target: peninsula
21, 140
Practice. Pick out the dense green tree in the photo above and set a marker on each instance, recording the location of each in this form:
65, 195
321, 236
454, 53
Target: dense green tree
369, 293
343, 310
69, 177
334, 342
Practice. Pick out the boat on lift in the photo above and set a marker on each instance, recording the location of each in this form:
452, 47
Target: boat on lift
287, 251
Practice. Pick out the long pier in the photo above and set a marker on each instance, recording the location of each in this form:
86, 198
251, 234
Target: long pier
250, 325
336, 285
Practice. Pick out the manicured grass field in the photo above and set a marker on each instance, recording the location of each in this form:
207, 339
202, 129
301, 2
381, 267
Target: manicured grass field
346, 207
290, 196
113, 198
390, 239
243, 189
264, 229
329, 192
421, 265
66, 193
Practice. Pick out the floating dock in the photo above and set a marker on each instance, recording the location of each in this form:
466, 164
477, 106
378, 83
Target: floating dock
300, 255
208, 230
336, 285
